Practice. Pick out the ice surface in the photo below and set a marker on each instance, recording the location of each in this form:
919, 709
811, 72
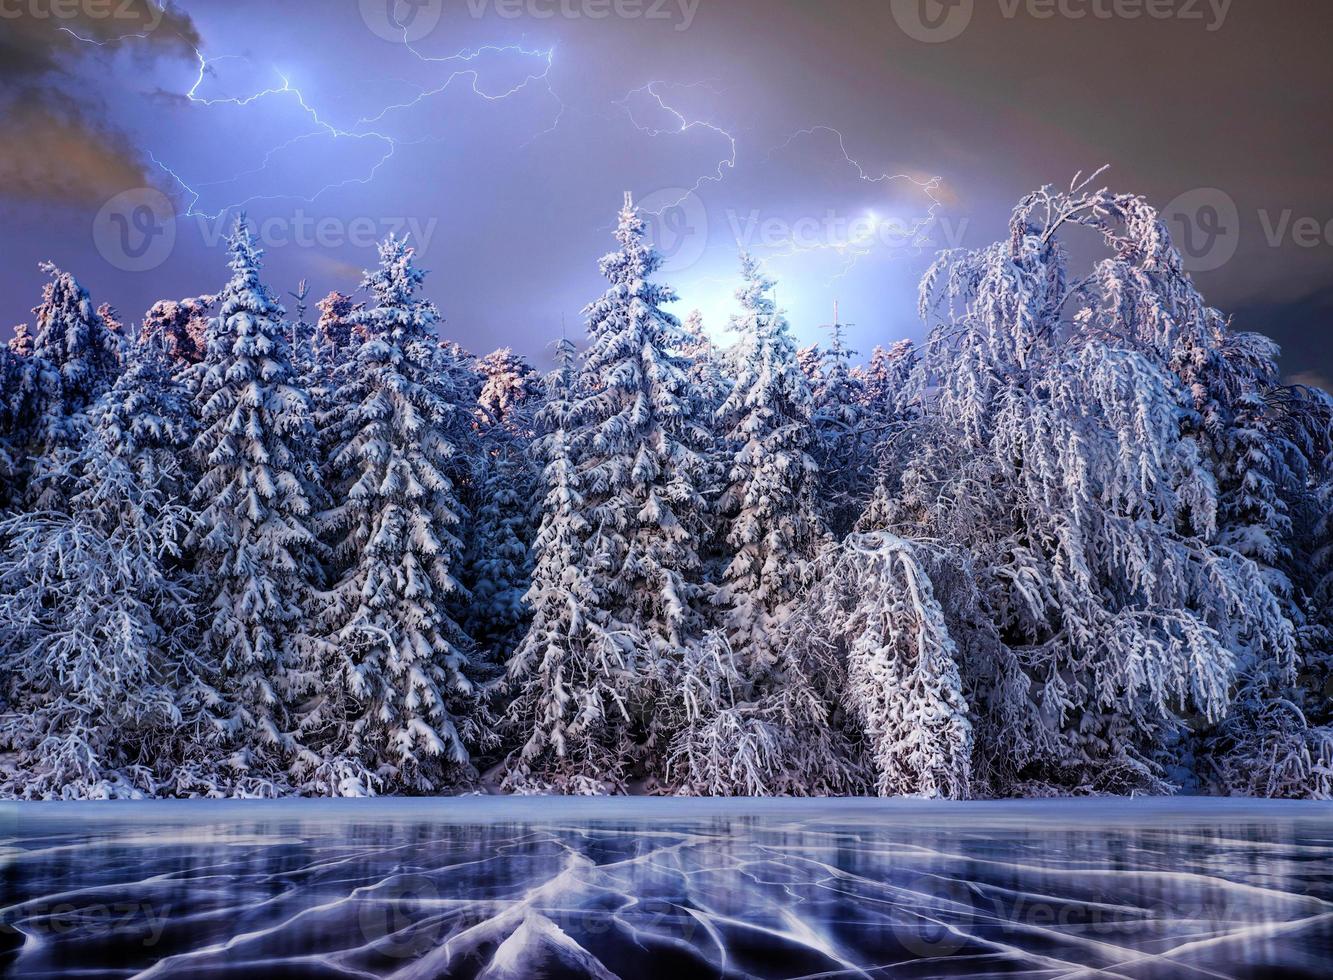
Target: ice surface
532, 887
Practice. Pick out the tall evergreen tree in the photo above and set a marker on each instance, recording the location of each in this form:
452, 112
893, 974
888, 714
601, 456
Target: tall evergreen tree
639, 443
569, 682
503, 502
403, 663
256, 496
76, 358
774, 529
846, 473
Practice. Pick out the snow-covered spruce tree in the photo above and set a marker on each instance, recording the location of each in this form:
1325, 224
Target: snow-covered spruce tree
569, 682
253, 540
639, 445
846, 470
23, 379
887, 407
510, 393
1269, 447
897, 672
503, 501
335, 333
74, 339
711, 385
106, 695
402, 701
1053, 452
773, 526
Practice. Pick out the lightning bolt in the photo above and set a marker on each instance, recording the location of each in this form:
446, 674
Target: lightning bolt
360, 129
857, 246
363, 129
852, 247
683, 126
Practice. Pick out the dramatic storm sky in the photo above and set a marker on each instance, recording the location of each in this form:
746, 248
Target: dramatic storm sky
504, 133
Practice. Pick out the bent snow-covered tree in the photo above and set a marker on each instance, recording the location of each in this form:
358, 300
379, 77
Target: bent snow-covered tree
897, 672
1053, 453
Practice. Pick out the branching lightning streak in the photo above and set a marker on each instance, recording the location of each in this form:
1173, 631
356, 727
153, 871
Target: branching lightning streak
727, 163
852, 247
855, 247
360, 130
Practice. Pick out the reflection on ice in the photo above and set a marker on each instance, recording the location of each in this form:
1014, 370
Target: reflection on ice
644, 888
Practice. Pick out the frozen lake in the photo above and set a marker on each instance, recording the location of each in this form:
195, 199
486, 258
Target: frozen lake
642, 888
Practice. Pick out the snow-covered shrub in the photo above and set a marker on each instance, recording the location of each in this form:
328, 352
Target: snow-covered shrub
736, 738
875, 611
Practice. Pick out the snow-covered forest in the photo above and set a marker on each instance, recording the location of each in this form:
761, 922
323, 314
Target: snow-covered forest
1076, 541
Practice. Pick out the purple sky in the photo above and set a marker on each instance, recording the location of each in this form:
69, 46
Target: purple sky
508, 162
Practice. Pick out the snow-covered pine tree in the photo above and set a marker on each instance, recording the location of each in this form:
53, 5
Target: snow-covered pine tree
73, 339
403, 700
569, 683
253, 538
107, 697
774, 530
28, 383
846, 470
639, 444
503, 501
510, 393
73, 336
335, 332
711, 385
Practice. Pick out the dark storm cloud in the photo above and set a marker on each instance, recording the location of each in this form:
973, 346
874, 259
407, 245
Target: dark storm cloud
53, 146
